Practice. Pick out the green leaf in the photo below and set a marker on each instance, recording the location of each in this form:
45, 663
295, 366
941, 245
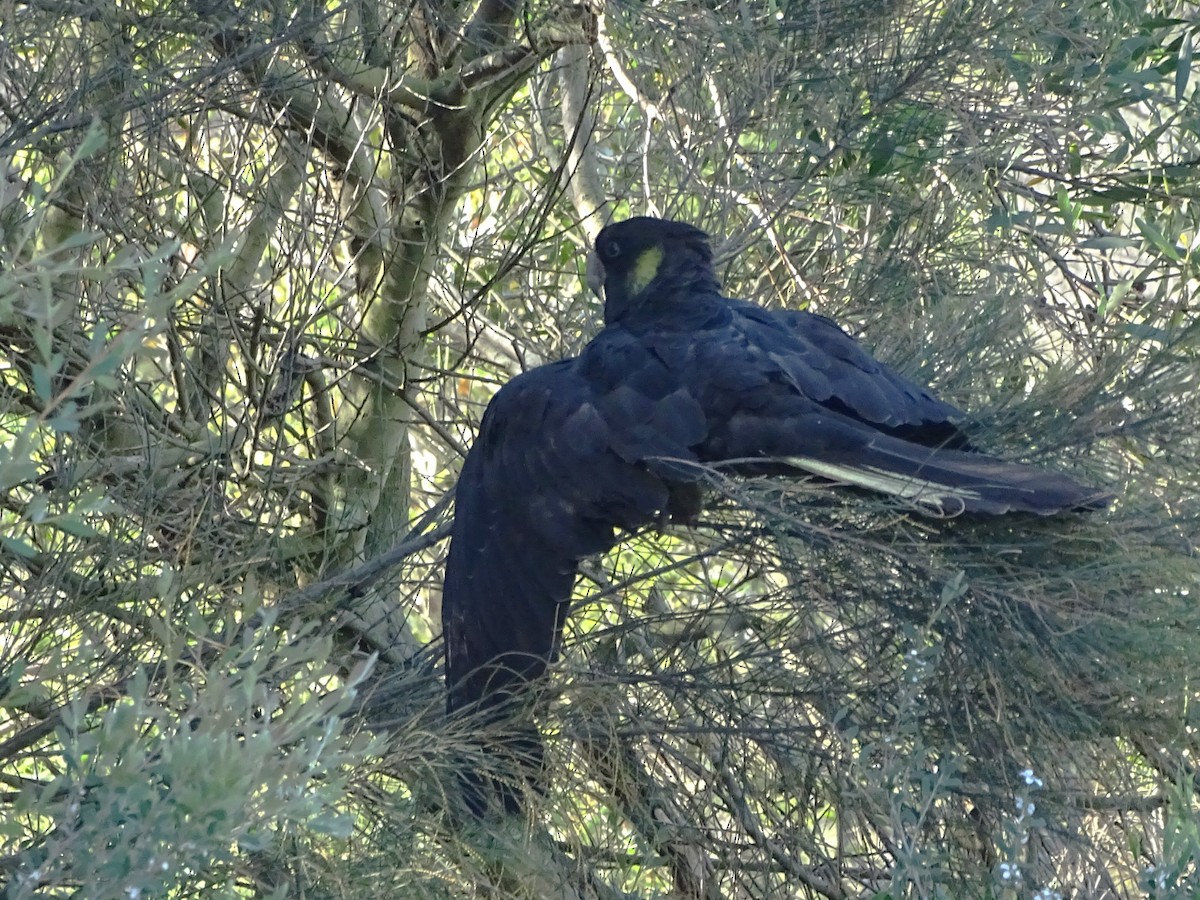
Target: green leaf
36, 509
332, 824
1183, 69
254, 840
1146, 332
1158, 240
41, 383
95, 139
1114, 297
1068, 210
77, 240
65, 419
1109, 242
1120, 194
75, 525
19, 546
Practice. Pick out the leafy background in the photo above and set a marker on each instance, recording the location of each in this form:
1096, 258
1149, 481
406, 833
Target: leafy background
264, 264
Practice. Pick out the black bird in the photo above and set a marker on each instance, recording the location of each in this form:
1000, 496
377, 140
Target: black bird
570, 453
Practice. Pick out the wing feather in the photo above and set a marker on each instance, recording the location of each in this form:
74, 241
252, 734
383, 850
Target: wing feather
832, 368
557, 467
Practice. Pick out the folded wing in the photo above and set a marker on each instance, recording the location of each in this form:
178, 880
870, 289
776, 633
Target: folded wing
794, 389
828, 366
555, 470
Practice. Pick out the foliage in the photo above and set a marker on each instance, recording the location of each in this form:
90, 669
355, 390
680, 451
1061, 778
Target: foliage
261, 267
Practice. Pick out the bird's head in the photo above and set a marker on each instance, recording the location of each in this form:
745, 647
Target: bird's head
631, 256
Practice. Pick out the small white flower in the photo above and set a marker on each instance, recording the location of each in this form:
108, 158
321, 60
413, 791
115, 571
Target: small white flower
1031, 779
1009, 871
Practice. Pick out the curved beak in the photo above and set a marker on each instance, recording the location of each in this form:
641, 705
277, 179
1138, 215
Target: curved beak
595, 275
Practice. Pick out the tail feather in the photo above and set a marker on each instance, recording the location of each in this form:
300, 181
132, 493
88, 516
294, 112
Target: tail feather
949, 482
788, 435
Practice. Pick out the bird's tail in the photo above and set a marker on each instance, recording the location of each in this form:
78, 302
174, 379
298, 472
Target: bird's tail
947, 482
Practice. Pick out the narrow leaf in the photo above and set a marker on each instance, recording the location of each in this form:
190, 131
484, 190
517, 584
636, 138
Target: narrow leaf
1109, 242
1158, 240
1183, 69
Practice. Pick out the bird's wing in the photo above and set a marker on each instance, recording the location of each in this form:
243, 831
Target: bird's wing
828, 366
565, 454
769, 398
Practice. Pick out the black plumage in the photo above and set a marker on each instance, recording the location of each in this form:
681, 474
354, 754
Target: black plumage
570, 453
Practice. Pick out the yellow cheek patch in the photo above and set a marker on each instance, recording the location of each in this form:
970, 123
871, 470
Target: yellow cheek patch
645, 270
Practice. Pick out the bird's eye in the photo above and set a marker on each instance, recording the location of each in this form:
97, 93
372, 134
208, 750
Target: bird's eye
612, 249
